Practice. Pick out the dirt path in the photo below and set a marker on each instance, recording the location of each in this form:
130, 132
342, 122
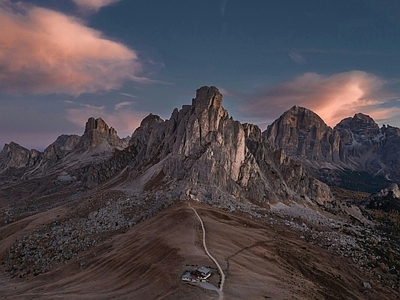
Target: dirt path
220, 291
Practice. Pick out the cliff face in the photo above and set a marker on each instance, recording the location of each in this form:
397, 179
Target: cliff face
212, 156
68, 154
98, 134
200, 153
358, 133
356, 154
15, 156
303, 134
373, 149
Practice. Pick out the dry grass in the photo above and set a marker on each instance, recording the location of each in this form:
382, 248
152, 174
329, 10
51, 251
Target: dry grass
146, 262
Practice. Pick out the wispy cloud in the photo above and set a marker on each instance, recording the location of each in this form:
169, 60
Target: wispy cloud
223, 7
122, 105
297, 57
332, 97
93, 5
128, 95
44, 51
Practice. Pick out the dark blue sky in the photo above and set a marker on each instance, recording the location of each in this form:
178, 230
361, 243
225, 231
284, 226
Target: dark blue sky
62, 62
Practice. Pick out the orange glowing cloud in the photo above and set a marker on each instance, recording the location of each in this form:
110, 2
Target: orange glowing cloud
93, 4
44, 51
125, 121
332, 97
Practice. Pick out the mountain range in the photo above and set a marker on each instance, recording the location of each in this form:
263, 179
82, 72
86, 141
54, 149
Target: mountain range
356, 154
299, 173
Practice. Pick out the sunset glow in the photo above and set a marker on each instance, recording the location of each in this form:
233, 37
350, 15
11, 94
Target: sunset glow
62, 62
45, 51
333, 98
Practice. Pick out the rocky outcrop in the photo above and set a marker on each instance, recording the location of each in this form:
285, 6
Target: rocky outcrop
63, 145
212, 157
356, 154
72, 155
99, 135
389, 152
199, 153
15, 156
387, 199
358, 133
372, 149
303, 134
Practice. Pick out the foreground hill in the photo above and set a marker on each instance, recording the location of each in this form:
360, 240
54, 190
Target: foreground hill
262, 259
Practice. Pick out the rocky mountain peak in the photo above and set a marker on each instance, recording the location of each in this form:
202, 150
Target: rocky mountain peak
356, 144
97, 133
14, 155
302, 133
303, 118
358, 133
151, 121
207, 112
364, 118
99, 125
360, 124
212, 157
206, 98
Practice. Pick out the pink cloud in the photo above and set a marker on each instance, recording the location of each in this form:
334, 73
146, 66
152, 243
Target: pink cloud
389, 116
44, 51
332, 97
125, 121
93, 4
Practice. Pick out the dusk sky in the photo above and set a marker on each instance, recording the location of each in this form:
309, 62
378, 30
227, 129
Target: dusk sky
63, 61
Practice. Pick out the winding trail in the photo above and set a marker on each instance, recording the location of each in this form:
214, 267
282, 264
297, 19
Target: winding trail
220, 293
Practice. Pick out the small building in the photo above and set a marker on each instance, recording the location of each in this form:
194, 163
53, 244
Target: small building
198, 275
202, 273
189, 277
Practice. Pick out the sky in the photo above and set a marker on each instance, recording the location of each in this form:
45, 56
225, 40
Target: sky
63, 61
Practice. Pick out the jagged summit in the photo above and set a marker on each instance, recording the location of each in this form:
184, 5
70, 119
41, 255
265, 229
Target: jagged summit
302, 133
67, 152
302, 118
338, 155
14, 155
211, 157
361, 124
207, 98
150, 119
199, 152
100, 126
97, 133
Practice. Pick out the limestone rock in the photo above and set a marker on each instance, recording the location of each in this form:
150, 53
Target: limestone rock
356, 154
358, 133
303, 134
200, 152
213, 156
63, 145
15, 156
99, 135
373, 149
